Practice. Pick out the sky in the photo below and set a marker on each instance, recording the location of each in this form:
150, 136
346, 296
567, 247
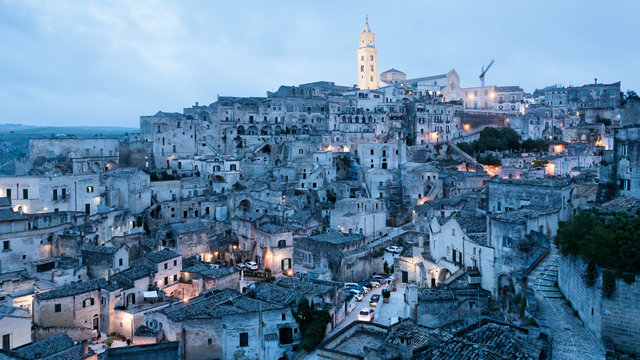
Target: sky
106, 63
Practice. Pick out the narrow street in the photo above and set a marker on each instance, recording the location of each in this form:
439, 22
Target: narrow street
571, 340
385, 314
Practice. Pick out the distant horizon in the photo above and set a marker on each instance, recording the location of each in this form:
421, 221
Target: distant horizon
108, 63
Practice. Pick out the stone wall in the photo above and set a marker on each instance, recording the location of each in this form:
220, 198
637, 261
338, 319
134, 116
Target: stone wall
615, 320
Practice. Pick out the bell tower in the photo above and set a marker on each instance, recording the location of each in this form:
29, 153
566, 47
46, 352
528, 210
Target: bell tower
367, 59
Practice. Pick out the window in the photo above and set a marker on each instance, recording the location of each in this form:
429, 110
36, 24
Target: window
166, 280
371, 67
362, 58
6, 245
55, 194
209, 342
120, 262
87, 208
282, 243
6, 342
175, 277
89, 189
371, 57
244, 339
58, 308
361, 68
64, 193
453, 232
506, 241
284, 316
285, 264
175, 262
8, 192
166, 266
25, 194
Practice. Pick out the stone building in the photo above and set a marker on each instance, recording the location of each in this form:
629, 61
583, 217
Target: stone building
103, 261
166, 266
85, 155
510, 194
626, 153
225, 324
127, 188
430, 121
363, 216
347, 256
56, 193
75, 305
15, 327
188, 238
503, 99
274, 248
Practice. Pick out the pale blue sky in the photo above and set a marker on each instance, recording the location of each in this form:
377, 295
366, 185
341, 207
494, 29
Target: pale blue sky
105, 63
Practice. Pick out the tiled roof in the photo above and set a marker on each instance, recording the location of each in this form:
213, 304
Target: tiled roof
74, 289
336, 237
46, 347
162, 255
106, 250
217, 304
7, 310
160, 351
130, 275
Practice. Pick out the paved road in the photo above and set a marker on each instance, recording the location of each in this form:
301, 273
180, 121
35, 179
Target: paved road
386, 314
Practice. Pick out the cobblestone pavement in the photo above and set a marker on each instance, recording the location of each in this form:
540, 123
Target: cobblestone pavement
571, 340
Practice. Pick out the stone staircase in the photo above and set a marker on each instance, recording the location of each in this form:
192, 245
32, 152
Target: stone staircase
544, 278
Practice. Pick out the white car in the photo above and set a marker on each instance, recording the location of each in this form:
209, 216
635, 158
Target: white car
251, 265
394, 249
355, 293
366, 314
241, 266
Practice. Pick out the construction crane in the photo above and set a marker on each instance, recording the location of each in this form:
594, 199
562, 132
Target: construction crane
484, 71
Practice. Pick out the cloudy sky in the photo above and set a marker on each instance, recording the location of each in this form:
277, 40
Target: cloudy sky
105, 63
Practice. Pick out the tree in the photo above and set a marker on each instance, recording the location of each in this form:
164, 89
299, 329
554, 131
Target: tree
312, 324
609, 240
629, 96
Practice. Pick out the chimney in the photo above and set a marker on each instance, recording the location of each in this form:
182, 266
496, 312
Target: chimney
407, 351
595, 81
196, 103
85, 347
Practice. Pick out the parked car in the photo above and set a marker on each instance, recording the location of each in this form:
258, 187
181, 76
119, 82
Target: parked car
220, 262
366, 314
357, 287
382, 279
394, 249
251, 265
374, 282
241, 266
373, 302
366, 284
356, 293
381, 274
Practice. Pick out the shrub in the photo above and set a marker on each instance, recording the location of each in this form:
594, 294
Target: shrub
386, 293
109, 341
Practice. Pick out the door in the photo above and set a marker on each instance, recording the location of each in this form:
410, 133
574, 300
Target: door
433, 282
405, 276
95, 322
6, 342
